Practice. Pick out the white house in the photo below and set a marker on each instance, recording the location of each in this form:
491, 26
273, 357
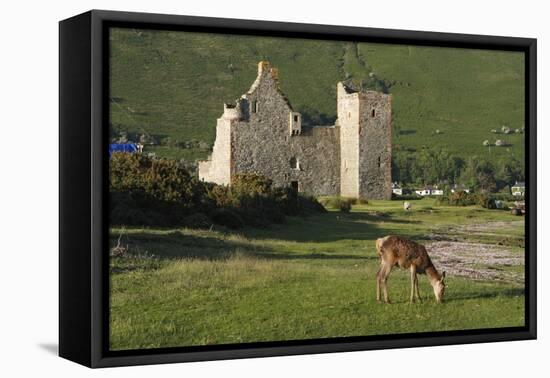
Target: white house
460, 188
396, 189
422, 192
518, 189
429, 191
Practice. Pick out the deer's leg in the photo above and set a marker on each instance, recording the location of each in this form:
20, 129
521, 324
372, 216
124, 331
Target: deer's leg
378, 284
416, 288
413, 282
385, 272
379, 280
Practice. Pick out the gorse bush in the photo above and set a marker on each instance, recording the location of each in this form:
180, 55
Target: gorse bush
146, 191
342, 203
345, 206
227, 217
162, 179
256, 202
460, 198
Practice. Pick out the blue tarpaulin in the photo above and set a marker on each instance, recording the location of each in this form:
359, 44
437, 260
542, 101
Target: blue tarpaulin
130, 148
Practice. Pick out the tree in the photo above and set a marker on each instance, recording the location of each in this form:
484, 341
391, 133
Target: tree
479, 174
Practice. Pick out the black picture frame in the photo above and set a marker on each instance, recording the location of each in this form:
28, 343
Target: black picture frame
83, 164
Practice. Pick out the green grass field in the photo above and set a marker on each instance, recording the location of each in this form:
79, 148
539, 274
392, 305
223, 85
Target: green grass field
310, 278
173, 85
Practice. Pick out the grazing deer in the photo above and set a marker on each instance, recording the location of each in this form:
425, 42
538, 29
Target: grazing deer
395, 250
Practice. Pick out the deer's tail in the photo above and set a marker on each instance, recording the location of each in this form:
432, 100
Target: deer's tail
379, 243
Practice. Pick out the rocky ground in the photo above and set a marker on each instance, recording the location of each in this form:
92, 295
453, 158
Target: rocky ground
458, 252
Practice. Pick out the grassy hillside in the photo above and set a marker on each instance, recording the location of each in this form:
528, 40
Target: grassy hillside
173, 85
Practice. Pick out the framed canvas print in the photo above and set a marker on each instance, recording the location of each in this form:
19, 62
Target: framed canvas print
234, 188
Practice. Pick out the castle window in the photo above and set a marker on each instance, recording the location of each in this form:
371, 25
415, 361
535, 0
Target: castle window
295, 118
349, 114
373, 113
294, 163
378, 161
254, 106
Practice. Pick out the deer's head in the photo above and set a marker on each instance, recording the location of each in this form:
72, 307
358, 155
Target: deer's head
439, 288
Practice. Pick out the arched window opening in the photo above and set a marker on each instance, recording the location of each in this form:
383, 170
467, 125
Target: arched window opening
373, 113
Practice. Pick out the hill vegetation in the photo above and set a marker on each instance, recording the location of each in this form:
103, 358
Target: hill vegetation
170, 87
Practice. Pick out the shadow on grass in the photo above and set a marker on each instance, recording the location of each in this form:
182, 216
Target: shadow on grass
333, 226
177, 245
323, 228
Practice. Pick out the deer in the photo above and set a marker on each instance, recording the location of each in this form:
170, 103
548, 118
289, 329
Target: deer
407, 254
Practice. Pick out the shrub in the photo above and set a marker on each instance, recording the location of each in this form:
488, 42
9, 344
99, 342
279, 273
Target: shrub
142, 209
344, 205
504, 196
341, 203
461, 198
147, 191
357, 201
227, 217
163, 179
458, 198
250, 184
219, 195
486, 201
197, 220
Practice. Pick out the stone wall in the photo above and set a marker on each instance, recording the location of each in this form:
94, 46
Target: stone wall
218, 168
375, 145
348, 122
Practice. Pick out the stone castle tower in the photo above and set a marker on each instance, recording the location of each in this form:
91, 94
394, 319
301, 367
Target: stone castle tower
261, 133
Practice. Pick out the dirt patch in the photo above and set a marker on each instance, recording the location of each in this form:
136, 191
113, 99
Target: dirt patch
477, 260
492, 233
491, 226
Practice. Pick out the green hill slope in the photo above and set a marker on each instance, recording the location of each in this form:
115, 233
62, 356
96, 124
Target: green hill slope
172, 85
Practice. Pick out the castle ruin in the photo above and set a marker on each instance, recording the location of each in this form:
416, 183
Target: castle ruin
262, 134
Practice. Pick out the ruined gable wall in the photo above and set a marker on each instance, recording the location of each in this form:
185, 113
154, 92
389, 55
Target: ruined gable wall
263, 144
258, 142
